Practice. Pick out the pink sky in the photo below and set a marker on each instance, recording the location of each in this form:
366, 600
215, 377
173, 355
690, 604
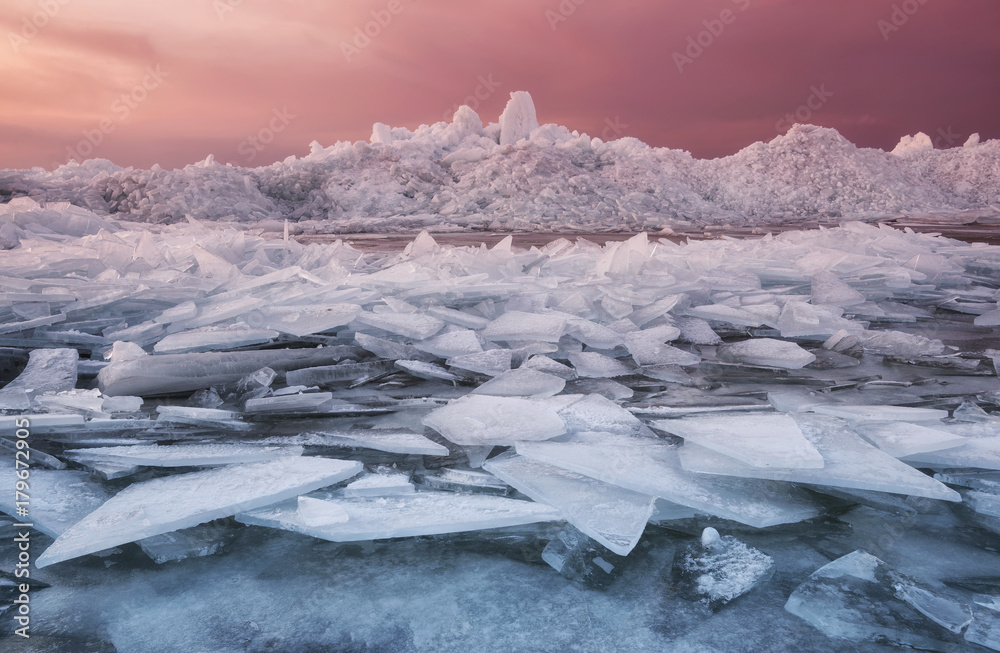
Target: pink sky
228, 65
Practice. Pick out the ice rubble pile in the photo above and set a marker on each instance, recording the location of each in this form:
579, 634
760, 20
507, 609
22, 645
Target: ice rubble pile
179, 379
517, 174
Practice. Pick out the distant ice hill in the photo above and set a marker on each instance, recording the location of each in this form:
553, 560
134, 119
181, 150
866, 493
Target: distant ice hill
518, 175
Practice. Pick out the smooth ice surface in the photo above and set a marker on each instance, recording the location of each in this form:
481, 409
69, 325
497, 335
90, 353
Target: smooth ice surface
182, 455
379, 484
391, 441
169, 503
768, 352
757, 440
411, 325
849, 462
881, 413
655, 470
613, 516
900, 439
590, 364
518, 325
484, 419
213, 338
975, 452
421, 513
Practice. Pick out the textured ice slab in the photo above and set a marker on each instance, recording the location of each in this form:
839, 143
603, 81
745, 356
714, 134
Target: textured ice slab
491, 363
172, 373
581, 559
452, 343
858, 597
881, 413
59, 497
316, 512
410, 325
647, 350
305, 320
612, 515
380, 484
169, 503
849, 462
421, 513
204, 417
209, 338
985, 628
757, 440
655, 469
719, 569
522, 382
827, 288
184, 455
900, 439
483, 419
288, 403
48, 370
590, 364
328, 374
768, 352
518, 325
391, 441
983, 453
729, 314
195, 542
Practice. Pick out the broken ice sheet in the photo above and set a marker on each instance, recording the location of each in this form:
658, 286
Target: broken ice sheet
522, 382
900, 439
213, 338
184, 455
391, 441
975, 452
858, 597
421, 513
655, 469
582, 559
60, 497
484, 419
719, 569
195, 542
757, 440
849, 462
768, 352
48, 370
465, 480
410, 325
590, 364
613, 516
169, 503
880, 413
379, 484
518, 326
306, 320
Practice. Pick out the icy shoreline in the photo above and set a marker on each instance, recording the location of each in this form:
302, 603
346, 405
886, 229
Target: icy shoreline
514, 175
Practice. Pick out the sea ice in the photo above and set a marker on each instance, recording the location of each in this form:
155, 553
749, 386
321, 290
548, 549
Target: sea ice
522, 382
169, 503
654, 469
849, 462
420, 513
379, 484
757, 440
484, 419
613, 516
901, 439
719, 569
518, 326
184, 455
880, 413
767, 352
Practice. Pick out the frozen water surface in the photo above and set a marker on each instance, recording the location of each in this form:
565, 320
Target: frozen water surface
139, 345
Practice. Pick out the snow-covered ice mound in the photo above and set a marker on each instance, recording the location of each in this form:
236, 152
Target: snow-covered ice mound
519, 175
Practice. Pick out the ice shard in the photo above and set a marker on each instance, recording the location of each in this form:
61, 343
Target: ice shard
170, 503
850, 462
901, 439
484, 419
768, 352
48, 370
420, 513
522, 382
655, 469
184, 455
753, 439
613, 516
